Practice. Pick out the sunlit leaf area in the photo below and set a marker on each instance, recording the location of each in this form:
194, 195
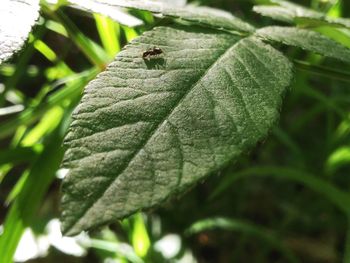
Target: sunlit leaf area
151, 131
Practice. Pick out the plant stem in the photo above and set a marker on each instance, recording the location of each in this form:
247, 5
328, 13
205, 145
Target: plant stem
322, 71
89, 48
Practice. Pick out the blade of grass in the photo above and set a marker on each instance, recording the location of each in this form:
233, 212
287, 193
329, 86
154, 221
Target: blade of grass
115, 249
56, 27
336, 196
16, 190
286, 139
48, 53
47, 124
30, 115
18, 155
129, 33
27, 202
244, 227
139, 236
330, 103
340, 35
92, 50
109, 32
22, 64
45, 127
322, 71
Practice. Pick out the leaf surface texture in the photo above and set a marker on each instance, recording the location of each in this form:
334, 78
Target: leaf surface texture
306, 39
146, 130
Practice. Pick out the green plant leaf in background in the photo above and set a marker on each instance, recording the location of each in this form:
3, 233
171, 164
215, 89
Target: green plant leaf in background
287, 12
206, 16
16, 21
113, 12
305, 39
146, 130
295, 14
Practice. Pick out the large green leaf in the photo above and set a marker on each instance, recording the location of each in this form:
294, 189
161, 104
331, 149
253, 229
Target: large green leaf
16, 20
295, 14
206, 16
147, 130
305, 39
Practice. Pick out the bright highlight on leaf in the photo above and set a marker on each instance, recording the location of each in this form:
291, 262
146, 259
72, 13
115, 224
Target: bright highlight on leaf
140, 239
146, 130
338, 158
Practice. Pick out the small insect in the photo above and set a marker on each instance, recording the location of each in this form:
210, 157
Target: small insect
152, 53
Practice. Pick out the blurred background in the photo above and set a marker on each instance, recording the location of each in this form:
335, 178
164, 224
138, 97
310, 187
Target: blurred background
258, 209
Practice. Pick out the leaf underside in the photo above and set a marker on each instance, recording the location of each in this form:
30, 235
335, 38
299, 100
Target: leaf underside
148, 129
16, 20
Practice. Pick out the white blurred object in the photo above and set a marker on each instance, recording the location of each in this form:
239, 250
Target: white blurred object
31, 247
62, 173
107, 9
11, 109
52, 2
187, 258
174, 2
169, 246
68, 245
2, 88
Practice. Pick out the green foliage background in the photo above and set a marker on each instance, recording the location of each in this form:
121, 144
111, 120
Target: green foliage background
286, 201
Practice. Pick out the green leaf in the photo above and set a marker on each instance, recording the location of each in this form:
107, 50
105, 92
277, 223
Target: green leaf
146, 130
287, 11
275, 12
340, 35
206, 16
296, 14
305, 39
340, 157
16, 20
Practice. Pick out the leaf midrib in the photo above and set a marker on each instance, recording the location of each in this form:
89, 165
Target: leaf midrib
150, 136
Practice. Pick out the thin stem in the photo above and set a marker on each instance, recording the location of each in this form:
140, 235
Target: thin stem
89, 48
322, 71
